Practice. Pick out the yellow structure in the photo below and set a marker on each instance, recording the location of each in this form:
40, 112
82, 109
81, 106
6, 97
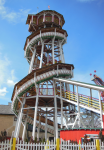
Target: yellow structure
97, 145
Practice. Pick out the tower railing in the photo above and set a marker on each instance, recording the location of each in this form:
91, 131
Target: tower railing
83, 99
46, 91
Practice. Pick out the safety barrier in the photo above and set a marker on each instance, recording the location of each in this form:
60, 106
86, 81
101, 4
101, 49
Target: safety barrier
67, 145
51, 145
83, 99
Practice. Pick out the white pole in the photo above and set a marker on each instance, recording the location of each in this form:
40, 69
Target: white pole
61, 106
46, 125
63, 56
16, 124
41, 54
19, 120
78, 105
41, 89
47, 88
24, 130
100, 109
38, 129
92, 115
60, 48
35, 114
54, 124
32, 61
55, 103
48, 55
53, 50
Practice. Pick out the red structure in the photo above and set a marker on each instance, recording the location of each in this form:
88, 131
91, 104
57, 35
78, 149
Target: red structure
99, 81
77, 134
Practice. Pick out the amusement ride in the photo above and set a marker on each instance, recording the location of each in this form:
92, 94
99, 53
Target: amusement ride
44, 98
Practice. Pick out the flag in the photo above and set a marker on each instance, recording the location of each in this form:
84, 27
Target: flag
90, 74
95, 71
48, 7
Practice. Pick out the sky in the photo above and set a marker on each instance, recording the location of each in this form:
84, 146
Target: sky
84, 23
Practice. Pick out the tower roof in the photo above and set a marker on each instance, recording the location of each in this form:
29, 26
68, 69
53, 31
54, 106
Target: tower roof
45, 11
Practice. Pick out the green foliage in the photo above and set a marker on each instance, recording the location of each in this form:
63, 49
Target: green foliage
101, 136
3, 135
43, 140
35, 141
26, 140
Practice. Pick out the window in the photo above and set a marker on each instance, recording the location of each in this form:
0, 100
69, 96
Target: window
40, 20
56, 20
48, 18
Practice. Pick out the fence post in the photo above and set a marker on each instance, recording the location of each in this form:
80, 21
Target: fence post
14, 143
79, 145
97, 145
57, 144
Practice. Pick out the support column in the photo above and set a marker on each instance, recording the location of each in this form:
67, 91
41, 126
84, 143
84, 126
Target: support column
41, 89
54, 123
44, 18
61, 101
41, 54
53, 50
78, 105
35, 114
32, 61
38, 129
17, 129
73, 89
46, 125
24, 130
63, 56
55, 103
47, 88
52, 18
60, 47
48, 58
92, 114
100, 110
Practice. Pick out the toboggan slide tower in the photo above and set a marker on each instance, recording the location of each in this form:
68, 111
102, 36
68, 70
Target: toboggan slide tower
44, 98
33, 98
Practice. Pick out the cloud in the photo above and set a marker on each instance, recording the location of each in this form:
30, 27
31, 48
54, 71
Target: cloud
12, 16
11, 82
4, 63
7, 77
86, 0
3, 91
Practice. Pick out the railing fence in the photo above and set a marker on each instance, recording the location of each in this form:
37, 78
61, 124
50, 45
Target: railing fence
50, 145
67, 145
6, 145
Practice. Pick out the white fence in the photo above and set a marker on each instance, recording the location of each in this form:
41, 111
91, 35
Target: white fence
6, 145
38, 146
101, 145
66, 145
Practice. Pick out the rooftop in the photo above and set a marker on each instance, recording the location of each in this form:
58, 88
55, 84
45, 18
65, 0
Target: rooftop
6, 109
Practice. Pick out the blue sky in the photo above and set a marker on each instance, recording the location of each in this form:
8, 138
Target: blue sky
84, 23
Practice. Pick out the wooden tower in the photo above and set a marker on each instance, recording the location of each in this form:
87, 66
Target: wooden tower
34, 98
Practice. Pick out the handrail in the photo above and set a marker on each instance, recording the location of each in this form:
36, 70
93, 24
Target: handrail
83, 99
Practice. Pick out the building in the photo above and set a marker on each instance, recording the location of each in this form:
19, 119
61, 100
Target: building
8, 120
